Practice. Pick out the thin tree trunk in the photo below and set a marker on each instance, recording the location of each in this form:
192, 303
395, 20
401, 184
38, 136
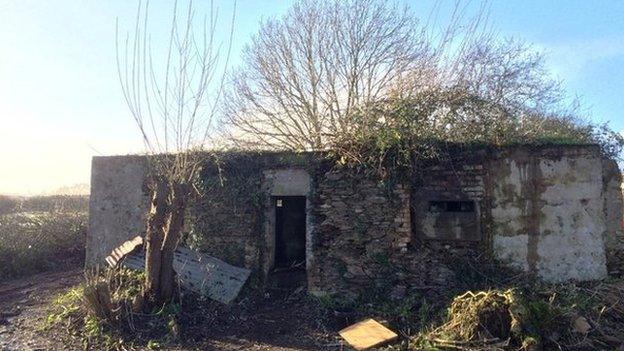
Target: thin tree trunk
172, 236
154, 238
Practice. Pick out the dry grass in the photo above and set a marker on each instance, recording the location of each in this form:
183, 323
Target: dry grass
106, 312
52, 203
482, 317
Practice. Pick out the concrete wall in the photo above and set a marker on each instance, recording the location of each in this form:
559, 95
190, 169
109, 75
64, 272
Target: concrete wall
118, 204
547, 211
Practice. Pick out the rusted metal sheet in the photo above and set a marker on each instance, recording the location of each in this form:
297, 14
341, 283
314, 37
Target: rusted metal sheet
200, 273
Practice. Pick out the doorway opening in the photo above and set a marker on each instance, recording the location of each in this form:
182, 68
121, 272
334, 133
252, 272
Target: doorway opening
290, 232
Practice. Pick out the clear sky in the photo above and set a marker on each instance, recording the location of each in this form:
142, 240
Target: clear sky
60, 100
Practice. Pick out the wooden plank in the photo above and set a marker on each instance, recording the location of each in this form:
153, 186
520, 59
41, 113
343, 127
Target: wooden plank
366, 334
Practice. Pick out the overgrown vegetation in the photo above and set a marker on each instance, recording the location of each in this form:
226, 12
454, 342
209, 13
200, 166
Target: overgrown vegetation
398, 134
104, 312
503, 311
566, 316
32, 242
398, 88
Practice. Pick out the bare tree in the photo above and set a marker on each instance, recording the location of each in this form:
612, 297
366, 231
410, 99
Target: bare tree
172, 100
304, 73
307, 76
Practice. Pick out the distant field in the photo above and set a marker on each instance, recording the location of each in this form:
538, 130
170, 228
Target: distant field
41, 233
53, 203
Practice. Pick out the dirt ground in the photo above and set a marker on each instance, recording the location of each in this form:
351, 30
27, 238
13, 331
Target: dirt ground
22, 309
282, 323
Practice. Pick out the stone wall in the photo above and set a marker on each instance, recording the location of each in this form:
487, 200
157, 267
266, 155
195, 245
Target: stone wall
362, 228
224, 222
230, 220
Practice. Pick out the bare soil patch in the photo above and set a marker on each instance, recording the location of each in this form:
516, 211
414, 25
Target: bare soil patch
23, 309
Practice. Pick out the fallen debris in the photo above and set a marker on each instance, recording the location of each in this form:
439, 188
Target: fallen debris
485, 315
197, 272
122, 250
366, 334
478, 320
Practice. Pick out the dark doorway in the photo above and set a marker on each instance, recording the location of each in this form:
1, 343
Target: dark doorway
290, 231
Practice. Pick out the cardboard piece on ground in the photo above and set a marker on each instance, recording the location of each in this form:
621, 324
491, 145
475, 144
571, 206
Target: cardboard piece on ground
366, 334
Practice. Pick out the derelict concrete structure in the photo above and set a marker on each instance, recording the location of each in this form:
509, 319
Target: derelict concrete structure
555, 211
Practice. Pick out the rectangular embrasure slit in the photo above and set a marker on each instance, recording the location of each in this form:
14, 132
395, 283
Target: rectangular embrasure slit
451, 206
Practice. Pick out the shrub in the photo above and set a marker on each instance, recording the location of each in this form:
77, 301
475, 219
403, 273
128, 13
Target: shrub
35, 242
397, 134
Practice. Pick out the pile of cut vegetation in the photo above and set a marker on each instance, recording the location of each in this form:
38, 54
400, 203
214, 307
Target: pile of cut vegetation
481, 318
533, 317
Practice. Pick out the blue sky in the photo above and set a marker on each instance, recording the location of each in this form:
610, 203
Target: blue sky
60, 100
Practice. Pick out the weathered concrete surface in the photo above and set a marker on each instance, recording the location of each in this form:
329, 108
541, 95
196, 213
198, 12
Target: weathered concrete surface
547, 212
451, 225
458, 178
614, 216
287, 182
118, 205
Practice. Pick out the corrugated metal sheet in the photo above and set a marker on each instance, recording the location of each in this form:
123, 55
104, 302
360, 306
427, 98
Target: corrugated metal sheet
122, 250
200, 273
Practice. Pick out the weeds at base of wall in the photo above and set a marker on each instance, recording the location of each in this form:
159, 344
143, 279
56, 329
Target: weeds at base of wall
534, 316
521, 314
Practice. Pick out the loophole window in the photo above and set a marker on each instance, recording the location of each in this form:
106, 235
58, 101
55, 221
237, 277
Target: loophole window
451, 206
